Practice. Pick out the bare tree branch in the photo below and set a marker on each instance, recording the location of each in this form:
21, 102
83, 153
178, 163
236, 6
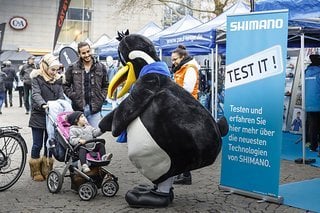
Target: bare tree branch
185, 5
136, 5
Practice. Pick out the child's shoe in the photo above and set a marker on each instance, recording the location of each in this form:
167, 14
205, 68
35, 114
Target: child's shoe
85, 168
107, 157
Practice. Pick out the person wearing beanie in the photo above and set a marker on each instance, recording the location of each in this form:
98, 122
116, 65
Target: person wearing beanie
80, 132
46, 86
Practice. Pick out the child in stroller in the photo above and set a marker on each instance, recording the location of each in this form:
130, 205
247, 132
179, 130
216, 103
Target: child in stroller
80, 133
86, 183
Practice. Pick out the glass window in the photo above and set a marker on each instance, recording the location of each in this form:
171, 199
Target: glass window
81, 3
77, 25
74, 31
79, 14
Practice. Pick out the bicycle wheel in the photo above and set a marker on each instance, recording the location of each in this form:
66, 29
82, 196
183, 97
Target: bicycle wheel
13, 155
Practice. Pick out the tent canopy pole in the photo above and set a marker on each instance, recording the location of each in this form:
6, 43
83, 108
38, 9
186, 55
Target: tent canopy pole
303, 98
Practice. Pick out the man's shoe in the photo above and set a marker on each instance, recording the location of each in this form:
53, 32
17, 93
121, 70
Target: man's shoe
183, 180
148, 199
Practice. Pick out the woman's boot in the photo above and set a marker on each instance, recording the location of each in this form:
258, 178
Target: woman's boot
35, 167
46, 166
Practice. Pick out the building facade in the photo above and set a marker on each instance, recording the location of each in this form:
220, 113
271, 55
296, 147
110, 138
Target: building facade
30, 24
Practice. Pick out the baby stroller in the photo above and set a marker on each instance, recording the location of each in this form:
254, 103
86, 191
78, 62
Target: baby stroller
87, 184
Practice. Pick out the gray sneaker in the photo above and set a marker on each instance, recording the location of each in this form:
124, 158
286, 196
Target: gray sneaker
107, 157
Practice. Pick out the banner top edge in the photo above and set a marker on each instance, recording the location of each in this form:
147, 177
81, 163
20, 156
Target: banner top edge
260, 12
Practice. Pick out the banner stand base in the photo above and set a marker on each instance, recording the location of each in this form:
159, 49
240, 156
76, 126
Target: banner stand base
263, 198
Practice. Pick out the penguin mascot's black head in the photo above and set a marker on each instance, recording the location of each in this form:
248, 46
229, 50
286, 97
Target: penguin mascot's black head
168, 131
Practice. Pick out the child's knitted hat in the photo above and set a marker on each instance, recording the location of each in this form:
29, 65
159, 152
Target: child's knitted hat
73, 118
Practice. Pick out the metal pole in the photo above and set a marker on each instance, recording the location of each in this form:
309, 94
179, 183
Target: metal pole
216, 83
212, 85
82, 24
303, 99
251, 5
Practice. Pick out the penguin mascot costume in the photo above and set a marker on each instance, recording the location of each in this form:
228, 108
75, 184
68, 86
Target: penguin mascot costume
168, 131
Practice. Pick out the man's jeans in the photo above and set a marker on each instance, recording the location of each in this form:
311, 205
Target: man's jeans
93, 119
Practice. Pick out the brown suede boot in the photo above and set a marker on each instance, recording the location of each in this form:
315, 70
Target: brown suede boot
35, 166
46, 166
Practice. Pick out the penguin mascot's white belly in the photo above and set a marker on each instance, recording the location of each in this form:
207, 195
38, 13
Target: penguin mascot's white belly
145, 153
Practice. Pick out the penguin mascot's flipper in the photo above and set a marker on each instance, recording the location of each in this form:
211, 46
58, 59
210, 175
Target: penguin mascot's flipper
168, 131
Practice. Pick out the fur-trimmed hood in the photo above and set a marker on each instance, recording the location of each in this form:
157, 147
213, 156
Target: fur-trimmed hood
37, 72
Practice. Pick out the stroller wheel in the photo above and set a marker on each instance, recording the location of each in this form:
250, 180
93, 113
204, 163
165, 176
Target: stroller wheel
95, 189
109, 188
54, 181
87, 191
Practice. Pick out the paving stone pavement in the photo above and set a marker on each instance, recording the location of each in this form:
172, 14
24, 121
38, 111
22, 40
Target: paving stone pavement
202, 196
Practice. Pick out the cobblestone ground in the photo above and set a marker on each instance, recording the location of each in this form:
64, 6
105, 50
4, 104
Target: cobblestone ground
202, 196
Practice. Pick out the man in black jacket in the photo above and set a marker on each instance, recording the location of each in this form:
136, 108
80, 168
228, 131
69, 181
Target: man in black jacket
86, 84
25, 78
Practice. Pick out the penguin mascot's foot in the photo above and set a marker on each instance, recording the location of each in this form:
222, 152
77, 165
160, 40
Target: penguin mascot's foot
146, 188
144, 197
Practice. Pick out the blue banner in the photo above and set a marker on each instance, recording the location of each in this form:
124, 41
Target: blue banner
254, 85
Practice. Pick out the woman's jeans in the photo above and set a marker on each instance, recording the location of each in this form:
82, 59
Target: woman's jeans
39, 138
2, 97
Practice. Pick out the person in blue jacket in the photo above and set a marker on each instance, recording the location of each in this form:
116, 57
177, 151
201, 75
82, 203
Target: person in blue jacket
312, 105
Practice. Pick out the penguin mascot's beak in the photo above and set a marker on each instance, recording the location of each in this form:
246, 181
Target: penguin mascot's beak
127, 75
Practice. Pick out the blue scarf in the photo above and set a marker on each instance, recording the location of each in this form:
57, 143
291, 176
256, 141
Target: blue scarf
156, 67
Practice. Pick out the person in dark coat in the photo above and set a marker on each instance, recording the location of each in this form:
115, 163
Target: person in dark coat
11, 76
46, 86
312, 105
2, 88
86, 85
25, 78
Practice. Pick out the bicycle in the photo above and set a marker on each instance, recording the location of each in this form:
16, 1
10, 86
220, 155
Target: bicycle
13, 156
